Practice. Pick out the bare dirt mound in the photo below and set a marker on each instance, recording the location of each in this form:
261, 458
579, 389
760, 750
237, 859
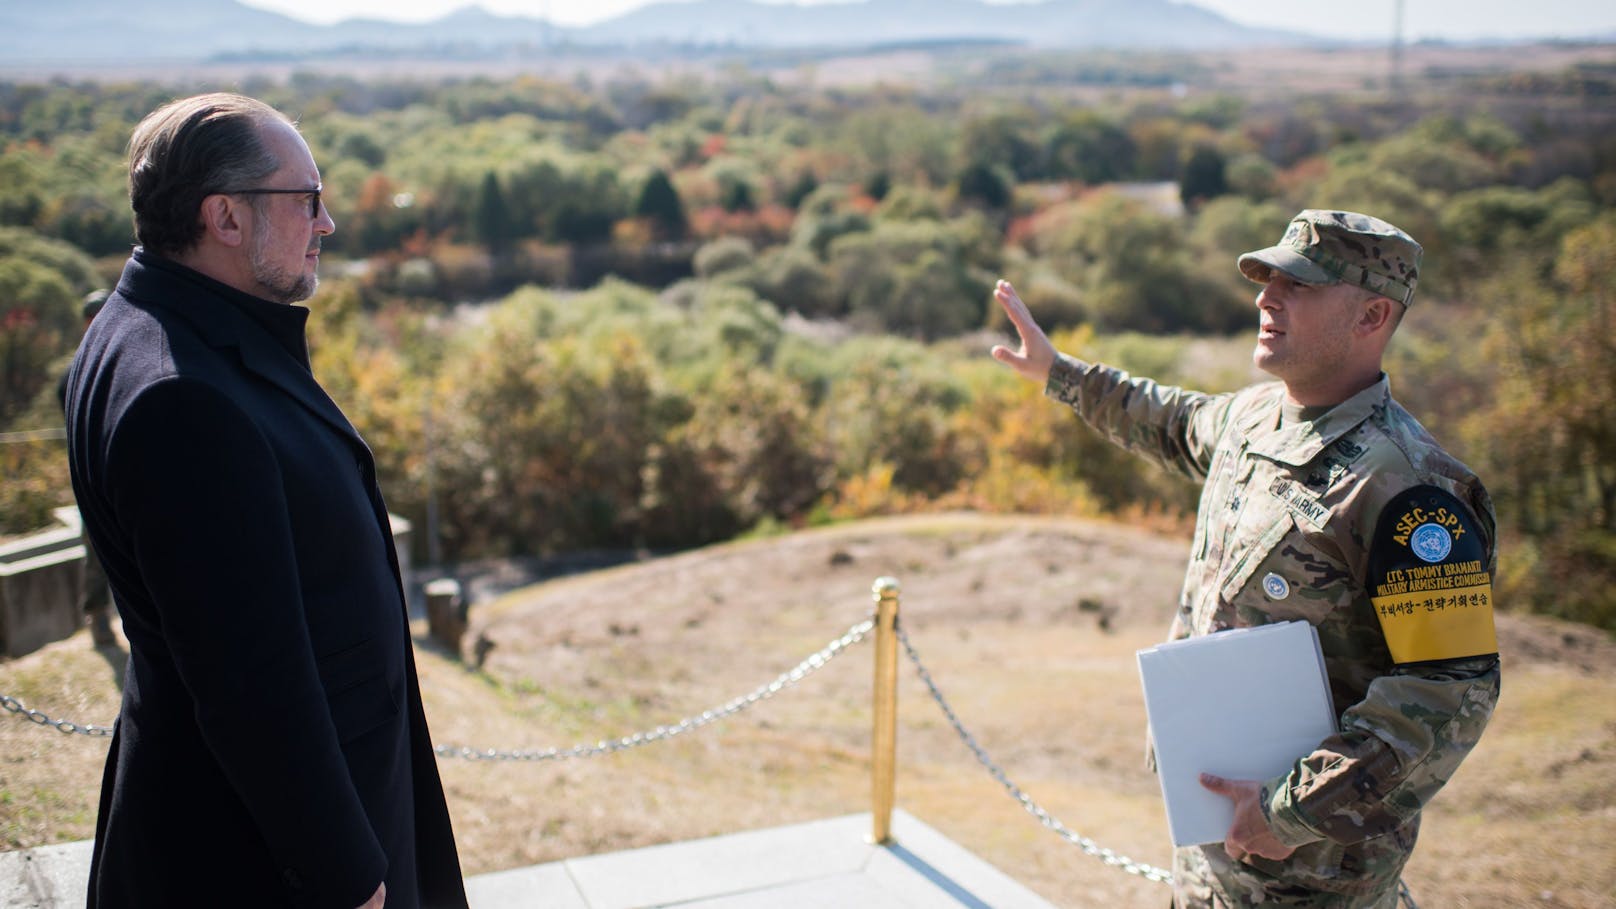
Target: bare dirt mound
953, 569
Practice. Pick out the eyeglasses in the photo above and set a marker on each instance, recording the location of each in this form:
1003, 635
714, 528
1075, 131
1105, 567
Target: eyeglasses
313, 194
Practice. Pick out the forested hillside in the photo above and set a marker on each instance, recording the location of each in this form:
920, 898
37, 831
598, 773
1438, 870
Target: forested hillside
662, 312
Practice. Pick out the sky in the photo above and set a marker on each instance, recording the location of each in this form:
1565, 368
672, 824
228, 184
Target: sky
1454, 20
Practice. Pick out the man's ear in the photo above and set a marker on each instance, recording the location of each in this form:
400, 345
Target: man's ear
223, 218
1378, 314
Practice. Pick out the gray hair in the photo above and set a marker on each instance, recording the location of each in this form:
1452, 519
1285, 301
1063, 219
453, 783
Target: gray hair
188, 150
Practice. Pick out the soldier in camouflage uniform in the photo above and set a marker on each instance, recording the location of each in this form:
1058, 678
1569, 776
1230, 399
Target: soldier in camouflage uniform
1324, 500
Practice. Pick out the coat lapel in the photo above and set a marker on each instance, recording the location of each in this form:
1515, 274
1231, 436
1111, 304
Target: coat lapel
262, 356
196, 299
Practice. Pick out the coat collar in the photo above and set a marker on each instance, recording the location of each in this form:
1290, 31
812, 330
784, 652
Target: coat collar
1298, 444
268, 337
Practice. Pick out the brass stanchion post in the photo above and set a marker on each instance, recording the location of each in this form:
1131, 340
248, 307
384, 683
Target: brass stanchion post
884, 737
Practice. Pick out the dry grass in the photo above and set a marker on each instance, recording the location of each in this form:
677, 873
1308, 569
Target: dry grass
996, 608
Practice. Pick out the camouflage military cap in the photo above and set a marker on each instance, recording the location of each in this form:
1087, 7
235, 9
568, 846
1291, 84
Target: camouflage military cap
93, 301
1341, 247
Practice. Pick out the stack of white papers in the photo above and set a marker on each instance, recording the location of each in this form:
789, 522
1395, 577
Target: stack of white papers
1243, 704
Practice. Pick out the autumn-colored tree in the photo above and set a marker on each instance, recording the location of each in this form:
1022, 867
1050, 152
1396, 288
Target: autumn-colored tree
1547, 439
41, 282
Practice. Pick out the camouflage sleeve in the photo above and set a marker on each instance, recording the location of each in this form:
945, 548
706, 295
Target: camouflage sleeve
1397, 748
1175, 428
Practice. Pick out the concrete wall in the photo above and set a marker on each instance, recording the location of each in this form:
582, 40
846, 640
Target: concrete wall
41, 585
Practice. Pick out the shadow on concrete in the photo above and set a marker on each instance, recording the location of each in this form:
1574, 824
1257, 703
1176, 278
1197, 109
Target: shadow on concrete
943, 881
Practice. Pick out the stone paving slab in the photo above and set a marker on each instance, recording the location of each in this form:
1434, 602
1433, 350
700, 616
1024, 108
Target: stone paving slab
815, 865
45, 878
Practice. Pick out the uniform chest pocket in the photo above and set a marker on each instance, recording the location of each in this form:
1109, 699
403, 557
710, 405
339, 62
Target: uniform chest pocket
1254, 545
1221, 502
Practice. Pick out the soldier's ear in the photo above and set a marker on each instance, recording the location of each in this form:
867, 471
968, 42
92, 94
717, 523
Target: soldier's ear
1378, 314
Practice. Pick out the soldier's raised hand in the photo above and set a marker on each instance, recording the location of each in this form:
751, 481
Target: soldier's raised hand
1036, 355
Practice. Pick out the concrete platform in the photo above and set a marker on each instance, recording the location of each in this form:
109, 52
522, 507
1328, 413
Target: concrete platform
817, 865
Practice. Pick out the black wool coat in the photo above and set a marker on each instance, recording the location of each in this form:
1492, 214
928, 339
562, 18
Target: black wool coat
271, 749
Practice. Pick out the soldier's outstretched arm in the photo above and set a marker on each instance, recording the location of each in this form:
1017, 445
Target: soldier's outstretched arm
1036, 355
1170, 426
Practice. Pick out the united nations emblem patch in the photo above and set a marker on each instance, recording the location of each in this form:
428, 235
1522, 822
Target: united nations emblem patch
1431, 542
1276, 587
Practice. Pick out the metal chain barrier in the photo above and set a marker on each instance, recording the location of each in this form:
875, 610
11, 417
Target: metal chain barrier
786, 680
12, 705
1089, 847
1148, 872
32, 435
689, 724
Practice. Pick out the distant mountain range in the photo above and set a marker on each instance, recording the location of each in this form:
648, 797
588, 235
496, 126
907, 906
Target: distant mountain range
112, 31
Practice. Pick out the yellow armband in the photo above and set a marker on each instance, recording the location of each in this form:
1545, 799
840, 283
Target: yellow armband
1429, 580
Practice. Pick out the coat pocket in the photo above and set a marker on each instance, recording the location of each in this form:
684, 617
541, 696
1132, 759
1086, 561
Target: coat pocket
358, 691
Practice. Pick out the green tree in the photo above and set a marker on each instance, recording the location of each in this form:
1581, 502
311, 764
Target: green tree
890, 404
24, 198
545, 439
910, 277
659, 203
900, 138
723, 255
41, 283
825, 215
794, 281
877, 185
1489, 229
1135, 269
749, 452
1089, 147
491, 223
1222, 229
1252, 176
1006, 139
800, 189
737, 196
1203, 177
980, 184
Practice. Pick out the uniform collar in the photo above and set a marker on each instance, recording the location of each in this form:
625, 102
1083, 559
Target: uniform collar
1299, 443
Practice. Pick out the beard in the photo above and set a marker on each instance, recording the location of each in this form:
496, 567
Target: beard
284, 285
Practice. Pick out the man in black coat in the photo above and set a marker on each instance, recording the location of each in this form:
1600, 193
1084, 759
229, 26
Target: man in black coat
271, 749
